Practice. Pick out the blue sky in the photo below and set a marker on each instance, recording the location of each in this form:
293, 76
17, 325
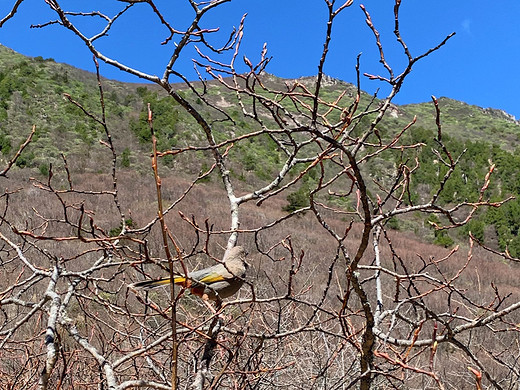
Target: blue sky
479, 65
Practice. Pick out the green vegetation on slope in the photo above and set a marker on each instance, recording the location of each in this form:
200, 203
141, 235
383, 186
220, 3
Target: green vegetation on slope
32, 92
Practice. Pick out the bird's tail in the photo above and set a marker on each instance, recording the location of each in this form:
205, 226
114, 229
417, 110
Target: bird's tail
148, 284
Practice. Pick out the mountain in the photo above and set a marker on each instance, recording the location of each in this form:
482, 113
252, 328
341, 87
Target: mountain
33, 91
463, 120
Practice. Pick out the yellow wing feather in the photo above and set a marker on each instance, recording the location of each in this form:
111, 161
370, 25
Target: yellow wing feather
212, 278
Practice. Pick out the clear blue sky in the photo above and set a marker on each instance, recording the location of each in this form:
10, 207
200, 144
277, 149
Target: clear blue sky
479, 65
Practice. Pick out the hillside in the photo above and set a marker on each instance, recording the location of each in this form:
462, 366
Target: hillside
80, 222
464, 121
32, 91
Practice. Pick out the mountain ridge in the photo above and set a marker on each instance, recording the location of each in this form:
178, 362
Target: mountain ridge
327, 82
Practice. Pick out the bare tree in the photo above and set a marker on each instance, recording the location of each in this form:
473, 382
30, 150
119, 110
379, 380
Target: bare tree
331, 302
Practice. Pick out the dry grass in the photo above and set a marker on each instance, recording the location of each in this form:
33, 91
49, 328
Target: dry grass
300, 355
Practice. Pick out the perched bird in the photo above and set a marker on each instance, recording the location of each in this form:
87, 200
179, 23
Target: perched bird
216, 282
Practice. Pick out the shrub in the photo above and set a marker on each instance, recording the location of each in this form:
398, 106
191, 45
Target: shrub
393, 223
125, 158
443, 239
44, 169
5, 143
297, 199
